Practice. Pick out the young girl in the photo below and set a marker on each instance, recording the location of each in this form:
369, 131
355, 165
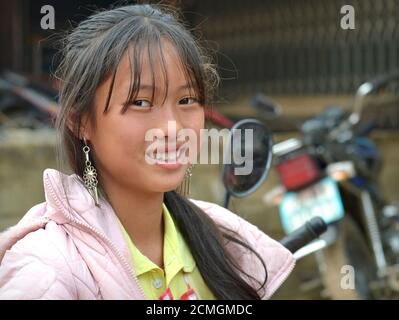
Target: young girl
115, 228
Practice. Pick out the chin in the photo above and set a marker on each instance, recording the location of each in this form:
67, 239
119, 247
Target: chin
165, 181
171, 187
164, 185
164, 190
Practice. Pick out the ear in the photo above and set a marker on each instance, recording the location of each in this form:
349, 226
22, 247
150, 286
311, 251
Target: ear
84, 127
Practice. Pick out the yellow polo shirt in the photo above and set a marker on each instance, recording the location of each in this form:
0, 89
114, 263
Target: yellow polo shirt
177, 259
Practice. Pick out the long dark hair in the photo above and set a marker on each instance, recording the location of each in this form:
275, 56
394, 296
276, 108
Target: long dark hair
91, 54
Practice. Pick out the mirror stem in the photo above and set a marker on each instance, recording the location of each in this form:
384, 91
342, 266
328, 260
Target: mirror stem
226, 199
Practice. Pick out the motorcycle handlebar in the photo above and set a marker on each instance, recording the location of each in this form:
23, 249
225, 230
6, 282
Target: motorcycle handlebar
310, 231
368, 88
377, 83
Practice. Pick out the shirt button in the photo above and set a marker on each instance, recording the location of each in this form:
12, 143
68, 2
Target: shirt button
157, 283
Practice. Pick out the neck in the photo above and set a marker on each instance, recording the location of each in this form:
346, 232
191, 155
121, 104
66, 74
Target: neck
140, 213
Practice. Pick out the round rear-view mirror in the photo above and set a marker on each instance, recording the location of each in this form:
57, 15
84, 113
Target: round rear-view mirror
247, 157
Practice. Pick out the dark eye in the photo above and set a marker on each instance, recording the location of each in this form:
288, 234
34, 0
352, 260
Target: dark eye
188, 100
141, 103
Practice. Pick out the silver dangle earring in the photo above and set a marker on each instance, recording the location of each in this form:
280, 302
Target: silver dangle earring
90, 174
184, 188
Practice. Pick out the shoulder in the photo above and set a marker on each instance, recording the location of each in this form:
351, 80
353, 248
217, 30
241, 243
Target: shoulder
221, 215
36, 267
234, 222
278, 260
40, 260
35, 235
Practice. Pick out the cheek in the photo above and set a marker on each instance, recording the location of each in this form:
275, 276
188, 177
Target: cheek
197, 119
121, 138
197, 122
132, 138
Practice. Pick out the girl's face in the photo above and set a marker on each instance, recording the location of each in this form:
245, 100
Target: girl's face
118, 140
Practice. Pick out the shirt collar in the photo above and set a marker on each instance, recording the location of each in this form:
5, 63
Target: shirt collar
176, 252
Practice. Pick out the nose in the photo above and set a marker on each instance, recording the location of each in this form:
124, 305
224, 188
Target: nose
170, 121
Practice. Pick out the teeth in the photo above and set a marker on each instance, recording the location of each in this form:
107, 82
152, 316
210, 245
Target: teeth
160, 156
168, 156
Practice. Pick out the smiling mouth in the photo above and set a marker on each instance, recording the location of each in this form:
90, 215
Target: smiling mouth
169, 156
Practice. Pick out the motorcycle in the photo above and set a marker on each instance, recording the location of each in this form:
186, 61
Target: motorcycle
332, 172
